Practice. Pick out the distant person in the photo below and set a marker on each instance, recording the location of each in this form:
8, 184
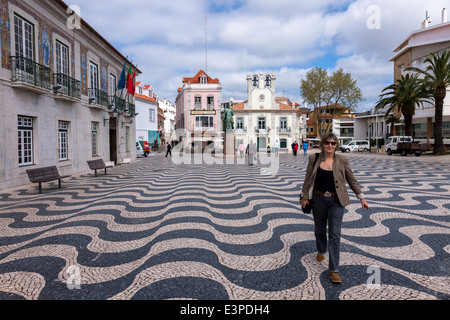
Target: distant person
241, 149
169, 150
276, 148
251, 151
294, 148
305, 148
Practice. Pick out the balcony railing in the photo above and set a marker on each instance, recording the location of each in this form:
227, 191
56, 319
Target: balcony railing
27, 71
116, 103
97, 96
131, 109
67, 85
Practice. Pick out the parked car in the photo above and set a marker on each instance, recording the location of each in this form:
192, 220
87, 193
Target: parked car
356, 145
142, 148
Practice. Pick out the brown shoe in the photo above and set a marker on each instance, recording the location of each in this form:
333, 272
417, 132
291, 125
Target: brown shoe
320, 257
335, 277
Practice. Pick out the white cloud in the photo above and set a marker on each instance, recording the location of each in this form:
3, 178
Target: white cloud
167, 39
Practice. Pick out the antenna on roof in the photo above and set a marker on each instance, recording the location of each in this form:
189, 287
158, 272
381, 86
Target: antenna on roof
206, 46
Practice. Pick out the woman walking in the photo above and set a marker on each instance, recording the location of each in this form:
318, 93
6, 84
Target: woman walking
324, 187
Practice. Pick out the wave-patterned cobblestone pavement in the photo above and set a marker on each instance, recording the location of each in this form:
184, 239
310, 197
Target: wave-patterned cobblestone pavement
156, 230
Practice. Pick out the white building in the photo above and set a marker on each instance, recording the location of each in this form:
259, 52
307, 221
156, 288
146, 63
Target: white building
412, 51
265, 118
58, 101
169, 111
147, 114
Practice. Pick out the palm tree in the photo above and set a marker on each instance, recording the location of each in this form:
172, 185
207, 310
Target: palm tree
390, 118
403, 96
436, 79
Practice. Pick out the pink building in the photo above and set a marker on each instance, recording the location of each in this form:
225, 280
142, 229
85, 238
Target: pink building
198, 107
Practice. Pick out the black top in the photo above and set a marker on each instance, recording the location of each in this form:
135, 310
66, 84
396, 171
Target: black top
324, 181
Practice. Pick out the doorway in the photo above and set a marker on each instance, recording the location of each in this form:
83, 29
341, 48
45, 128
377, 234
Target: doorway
112, 140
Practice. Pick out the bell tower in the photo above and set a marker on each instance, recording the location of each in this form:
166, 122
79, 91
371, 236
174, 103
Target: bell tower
261, 91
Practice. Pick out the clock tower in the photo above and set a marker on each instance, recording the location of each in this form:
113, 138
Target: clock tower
261, 92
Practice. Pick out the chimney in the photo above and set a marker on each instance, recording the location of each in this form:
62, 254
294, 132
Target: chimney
426, 22
444, 15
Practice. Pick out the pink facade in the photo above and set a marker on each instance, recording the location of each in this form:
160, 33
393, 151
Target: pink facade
198, 104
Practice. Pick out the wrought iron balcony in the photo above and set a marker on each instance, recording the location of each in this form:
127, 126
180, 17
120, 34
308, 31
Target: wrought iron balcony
63, 84
116, 103
97, 96
131, 109
26, 71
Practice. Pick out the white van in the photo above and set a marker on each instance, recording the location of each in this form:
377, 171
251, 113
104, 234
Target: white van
391, 142
356, 145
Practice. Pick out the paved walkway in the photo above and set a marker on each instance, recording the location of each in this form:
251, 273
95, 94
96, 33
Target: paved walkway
154, 229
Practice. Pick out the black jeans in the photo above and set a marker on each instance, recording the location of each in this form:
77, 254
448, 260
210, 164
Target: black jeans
328, 210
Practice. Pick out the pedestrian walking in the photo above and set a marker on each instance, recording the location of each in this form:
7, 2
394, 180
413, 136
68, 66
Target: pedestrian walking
241, 149
276, 148
305, 148
294, 148
251, 151
169, 150
325, 190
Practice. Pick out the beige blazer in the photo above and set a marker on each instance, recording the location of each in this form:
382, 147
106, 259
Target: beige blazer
341, 173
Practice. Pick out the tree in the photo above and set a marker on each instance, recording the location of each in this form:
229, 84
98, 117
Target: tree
436, 80
313, 89
403, 96
334, 90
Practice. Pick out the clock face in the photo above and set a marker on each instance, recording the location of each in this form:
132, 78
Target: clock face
262, 97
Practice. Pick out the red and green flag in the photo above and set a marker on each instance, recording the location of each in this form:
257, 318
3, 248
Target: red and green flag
131, 81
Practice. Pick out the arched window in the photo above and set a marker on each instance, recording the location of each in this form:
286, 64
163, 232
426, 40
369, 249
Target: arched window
268, 81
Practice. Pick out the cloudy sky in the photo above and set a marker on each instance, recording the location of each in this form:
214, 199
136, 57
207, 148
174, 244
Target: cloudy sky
166, 39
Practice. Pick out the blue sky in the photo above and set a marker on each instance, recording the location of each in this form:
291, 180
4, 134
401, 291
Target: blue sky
166, 38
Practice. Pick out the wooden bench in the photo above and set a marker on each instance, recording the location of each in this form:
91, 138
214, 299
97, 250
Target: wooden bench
97, 164
45, 174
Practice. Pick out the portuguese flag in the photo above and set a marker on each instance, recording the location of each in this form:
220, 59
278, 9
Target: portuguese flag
131, 81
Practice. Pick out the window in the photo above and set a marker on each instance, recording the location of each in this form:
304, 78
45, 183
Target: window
151, 115
112, 84
25, 141
268, 81
93, 74
261, 123
94, 137
203, 80
210, 103
140, 90
239, 123
62, 140
23, 38
62, 58
204, 122
283, 124
198, 103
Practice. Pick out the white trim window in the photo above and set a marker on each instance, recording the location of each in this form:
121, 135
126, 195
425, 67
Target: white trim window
204, 122
94, 138
93, 75
151, 115
25, 140
63, 149
62, 58
23, 37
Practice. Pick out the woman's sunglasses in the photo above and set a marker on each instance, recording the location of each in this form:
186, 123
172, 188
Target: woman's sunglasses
333, 143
